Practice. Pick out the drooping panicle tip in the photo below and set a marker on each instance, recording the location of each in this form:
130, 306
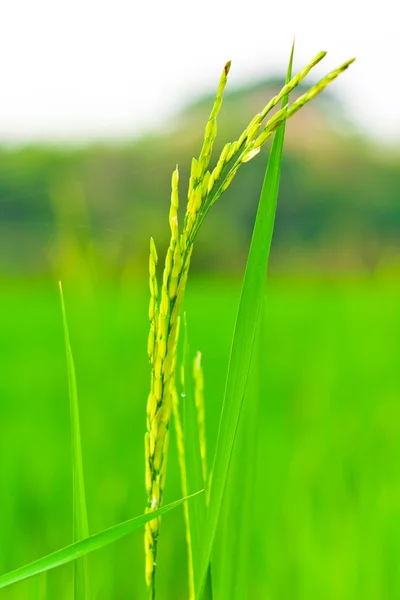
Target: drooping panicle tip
319, 57
349, 62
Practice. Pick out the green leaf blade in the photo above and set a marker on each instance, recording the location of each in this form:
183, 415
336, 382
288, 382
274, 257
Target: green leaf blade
80, 518
84, 547
191, 465
243, 342
231, 562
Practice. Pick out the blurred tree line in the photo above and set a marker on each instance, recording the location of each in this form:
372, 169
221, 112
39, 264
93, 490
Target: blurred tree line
339, 203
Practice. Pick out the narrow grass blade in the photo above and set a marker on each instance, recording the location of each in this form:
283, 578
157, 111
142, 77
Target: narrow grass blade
182, 468
197, 509
198, 379
80, 519
38, 588
242, 344
84, 547
190, 460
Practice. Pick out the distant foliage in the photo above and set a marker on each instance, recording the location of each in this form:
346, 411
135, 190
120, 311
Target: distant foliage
335, 185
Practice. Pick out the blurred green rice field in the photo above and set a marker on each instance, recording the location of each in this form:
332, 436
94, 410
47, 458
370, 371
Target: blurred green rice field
326, 522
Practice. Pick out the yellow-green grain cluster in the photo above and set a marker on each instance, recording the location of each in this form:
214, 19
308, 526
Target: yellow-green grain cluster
163, 339
205, 187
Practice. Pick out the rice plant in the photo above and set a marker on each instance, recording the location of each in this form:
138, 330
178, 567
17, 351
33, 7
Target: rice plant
206, 186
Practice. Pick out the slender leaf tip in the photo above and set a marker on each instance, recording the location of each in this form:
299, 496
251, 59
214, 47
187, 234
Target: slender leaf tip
87, 545
291, 55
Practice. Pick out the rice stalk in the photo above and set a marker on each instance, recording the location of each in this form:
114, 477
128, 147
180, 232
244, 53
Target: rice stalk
205, 188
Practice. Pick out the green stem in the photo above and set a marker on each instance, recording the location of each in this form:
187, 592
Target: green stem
152, 590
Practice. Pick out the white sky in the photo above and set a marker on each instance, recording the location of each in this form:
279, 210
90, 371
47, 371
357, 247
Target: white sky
78, 69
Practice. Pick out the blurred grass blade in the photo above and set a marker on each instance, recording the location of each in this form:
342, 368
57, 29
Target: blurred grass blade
84, 547
38, 588
80, 519
243, 342
177, 408
193, 462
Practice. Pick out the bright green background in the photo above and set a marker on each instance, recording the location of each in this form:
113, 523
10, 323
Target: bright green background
325, 510
327, 497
